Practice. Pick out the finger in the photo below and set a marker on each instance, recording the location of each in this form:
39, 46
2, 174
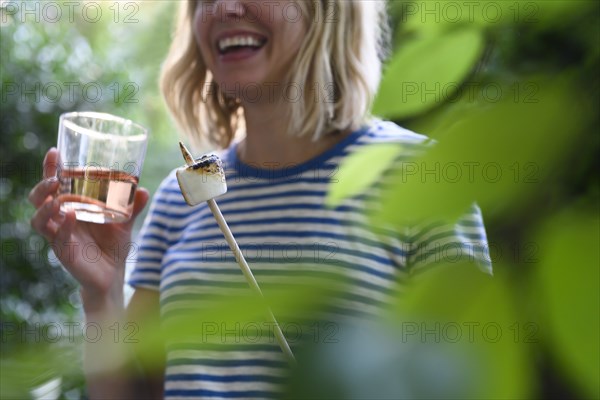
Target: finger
66, 227
62, 240
42, 190
140, 201
42, 219
51, 163
49, 184
59, 218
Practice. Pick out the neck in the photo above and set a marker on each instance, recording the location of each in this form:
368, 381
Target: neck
268, 146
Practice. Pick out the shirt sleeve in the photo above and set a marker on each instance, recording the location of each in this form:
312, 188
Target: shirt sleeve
153, 242
436, 243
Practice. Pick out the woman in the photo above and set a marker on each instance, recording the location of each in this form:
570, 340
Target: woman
296, 79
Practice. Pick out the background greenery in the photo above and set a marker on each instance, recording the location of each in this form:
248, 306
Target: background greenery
517, 87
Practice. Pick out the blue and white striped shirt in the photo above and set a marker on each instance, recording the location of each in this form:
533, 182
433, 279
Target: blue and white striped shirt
289, 238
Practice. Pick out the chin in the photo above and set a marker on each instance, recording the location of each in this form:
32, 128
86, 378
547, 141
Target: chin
246, 87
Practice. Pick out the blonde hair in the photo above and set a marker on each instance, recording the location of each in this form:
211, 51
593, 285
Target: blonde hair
339, 65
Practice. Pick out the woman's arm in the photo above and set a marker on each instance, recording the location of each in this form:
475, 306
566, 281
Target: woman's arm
127, 362
109, 361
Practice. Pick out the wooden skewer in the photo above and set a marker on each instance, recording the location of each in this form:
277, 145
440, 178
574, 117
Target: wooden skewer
239, 257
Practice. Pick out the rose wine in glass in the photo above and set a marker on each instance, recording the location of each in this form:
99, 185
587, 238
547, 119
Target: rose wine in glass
101, 156
97, 195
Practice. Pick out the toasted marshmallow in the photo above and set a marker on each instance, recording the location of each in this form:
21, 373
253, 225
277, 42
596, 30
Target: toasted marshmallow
203, 180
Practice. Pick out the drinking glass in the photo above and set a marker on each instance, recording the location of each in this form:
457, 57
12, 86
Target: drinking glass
100, 161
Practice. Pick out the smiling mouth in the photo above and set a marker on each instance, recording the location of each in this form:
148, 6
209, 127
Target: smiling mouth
240, 42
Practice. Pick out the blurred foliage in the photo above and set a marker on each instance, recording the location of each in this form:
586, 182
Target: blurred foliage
567, 283
525, 103
510, 83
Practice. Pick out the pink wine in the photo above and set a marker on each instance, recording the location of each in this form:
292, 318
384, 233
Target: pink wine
96, 194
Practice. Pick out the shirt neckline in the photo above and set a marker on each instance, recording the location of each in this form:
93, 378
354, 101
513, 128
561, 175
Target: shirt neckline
249, 170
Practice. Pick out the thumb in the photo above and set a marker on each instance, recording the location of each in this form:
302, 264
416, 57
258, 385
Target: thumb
50, 163
139, 202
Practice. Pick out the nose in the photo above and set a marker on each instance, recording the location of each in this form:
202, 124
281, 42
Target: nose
229, 9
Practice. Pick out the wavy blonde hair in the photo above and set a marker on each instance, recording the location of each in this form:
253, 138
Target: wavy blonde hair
339, 63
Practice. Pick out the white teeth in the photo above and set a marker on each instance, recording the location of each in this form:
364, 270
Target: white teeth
238, 41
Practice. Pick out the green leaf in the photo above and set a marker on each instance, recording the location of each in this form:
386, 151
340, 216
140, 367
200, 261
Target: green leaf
495, 157
456, 305
437, 18
425, 72
569, 285
361, 170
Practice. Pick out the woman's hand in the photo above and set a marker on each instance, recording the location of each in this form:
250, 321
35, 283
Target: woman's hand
94, 254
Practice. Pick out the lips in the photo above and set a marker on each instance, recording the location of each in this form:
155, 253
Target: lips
239, 44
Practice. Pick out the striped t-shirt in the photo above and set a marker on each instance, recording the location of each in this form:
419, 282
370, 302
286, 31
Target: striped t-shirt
289, 237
